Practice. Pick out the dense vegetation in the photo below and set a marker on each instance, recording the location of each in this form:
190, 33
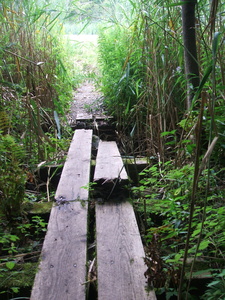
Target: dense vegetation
144, 81
180, 195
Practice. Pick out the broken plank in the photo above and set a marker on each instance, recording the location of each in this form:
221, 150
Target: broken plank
109, 164
120, 254
62, 270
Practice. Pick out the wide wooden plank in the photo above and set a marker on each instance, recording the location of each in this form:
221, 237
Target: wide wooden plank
109, 164
120, 254
62, 270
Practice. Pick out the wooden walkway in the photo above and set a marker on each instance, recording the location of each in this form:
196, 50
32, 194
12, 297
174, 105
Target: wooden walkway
62, 273
62, 270
120, 254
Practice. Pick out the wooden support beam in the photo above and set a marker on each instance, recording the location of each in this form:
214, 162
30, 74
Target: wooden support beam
62, 270
120, 254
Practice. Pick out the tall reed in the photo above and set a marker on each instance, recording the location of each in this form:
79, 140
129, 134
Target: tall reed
148, 82
32, 71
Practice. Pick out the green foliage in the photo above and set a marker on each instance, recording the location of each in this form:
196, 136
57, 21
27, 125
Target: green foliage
165, 193
20, 276
8, 242
36, 74
12, 179
118, 84
15, 242
216, 288
37, 226
12, 240
84, 51
87, 16
142, 76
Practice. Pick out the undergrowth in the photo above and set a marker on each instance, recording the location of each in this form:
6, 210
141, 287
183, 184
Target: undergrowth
163, 200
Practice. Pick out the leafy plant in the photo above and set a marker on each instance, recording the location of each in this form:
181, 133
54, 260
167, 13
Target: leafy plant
13, 177
164, 195
8, 243
216, 288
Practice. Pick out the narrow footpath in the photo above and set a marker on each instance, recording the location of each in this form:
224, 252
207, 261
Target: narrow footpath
87, 104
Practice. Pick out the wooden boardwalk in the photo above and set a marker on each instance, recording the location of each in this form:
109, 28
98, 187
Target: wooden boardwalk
120, 255
62, 270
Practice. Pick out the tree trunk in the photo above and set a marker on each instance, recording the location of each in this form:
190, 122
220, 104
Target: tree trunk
190, 49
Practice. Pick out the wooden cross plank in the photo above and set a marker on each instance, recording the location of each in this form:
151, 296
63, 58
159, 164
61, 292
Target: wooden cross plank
84, 117
109, 164
62, 270
120, 254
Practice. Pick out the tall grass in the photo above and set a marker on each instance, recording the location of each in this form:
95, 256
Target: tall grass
34, 76
143, 73
147, 83
84, 55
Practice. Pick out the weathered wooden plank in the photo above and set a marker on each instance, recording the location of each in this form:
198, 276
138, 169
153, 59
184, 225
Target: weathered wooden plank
62, 270
120, 253
76, 169
84, 117
109, 164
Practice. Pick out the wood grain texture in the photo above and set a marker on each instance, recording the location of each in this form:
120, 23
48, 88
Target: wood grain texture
62, 270
109, 164
76, 171
120, 254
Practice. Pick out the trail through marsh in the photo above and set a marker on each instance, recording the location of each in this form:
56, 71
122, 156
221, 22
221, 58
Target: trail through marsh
87, 103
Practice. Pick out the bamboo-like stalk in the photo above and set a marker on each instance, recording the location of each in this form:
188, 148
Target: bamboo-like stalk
31, 64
